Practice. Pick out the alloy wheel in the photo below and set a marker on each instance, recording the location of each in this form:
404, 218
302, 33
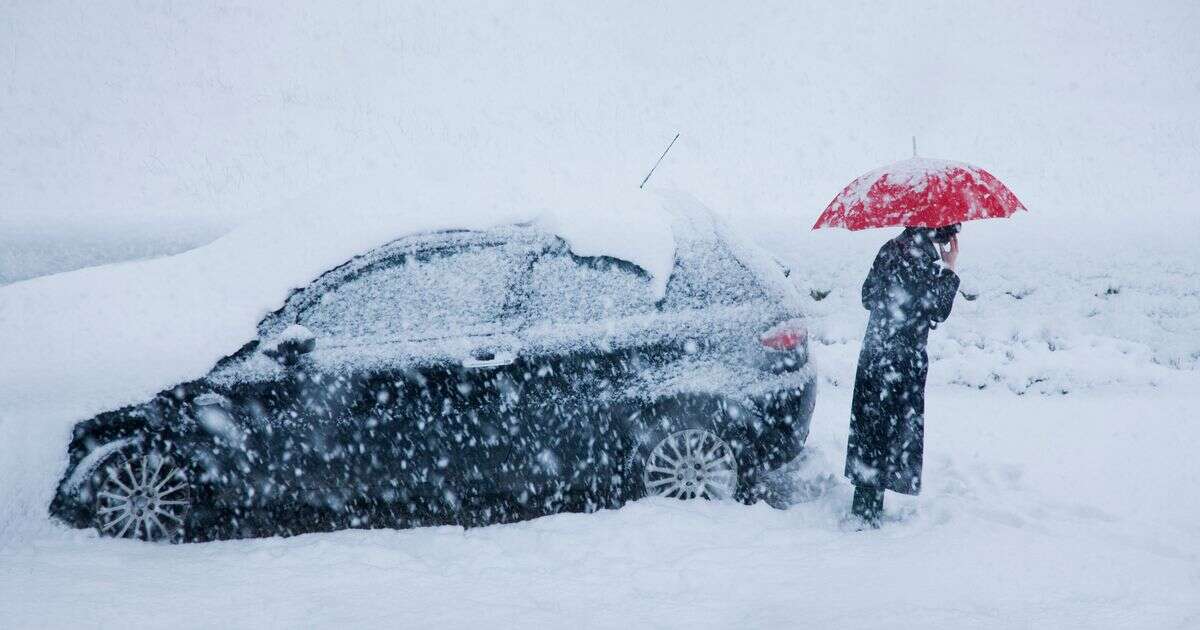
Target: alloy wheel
145, 496
691, 464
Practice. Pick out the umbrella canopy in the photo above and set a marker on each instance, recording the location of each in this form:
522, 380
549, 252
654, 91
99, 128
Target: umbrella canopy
919, 192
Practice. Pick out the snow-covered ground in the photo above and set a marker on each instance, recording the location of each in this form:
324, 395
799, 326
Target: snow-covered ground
31, 252
1039, 512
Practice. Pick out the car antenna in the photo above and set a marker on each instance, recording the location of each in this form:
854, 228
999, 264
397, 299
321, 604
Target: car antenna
660, 159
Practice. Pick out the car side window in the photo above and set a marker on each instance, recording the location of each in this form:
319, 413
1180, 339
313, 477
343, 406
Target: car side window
442, 292
563, 287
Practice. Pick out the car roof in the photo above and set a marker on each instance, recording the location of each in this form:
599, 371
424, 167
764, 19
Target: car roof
700, 239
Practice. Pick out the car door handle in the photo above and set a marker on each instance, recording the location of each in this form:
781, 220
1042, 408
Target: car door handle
486, 359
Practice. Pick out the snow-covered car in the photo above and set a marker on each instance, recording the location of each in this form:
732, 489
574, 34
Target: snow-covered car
466, 377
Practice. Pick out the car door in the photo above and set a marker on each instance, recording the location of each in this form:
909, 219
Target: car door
584, 317
420, 341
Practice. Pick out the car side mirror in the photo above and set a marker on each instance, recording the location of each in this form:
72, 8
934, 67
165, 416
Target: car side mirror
288, 346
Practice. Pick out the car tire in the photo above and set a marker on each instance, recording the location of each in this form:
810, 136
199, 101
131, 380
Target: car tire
142, 494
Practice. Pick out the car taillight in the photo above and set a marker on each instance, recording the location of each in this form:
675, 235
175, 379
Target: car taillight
786, 344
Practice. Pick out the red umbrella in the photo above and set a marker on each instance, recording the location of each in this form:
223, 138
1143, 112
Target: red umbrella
919, 192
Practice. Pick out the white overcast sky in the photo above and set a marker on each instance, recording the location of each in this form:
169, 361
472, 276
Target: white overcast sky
185, 113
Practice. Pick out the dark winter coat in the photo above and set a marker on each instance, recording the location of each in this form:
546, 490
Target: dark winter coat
908, 291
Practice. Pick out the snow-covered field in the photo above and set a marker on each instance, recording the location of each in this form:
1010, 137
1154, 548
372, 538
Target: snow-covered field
1039, 512
1062, 425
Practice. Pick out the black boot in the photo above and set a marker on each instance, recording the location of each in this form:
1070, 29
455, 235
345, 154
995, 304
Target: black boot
868, 504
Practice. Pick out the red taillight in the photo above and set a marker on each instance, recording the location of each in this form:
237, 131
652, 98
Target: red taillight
789, 335
786, 347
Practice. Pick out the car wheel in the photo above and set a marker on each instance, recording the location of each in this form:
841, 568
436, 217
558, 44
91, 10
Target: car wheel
691, 464
143, 495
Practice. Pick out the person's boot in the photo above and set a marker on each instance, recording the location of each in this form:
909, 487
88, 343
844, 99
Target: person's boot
868, 505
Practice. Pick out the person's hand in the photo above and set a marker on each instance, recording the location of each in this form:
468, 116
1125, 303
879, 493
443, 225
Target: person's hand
949, 252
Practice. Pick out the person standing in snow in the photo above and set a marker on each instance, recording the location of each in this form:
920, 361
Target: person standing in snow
909, 290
